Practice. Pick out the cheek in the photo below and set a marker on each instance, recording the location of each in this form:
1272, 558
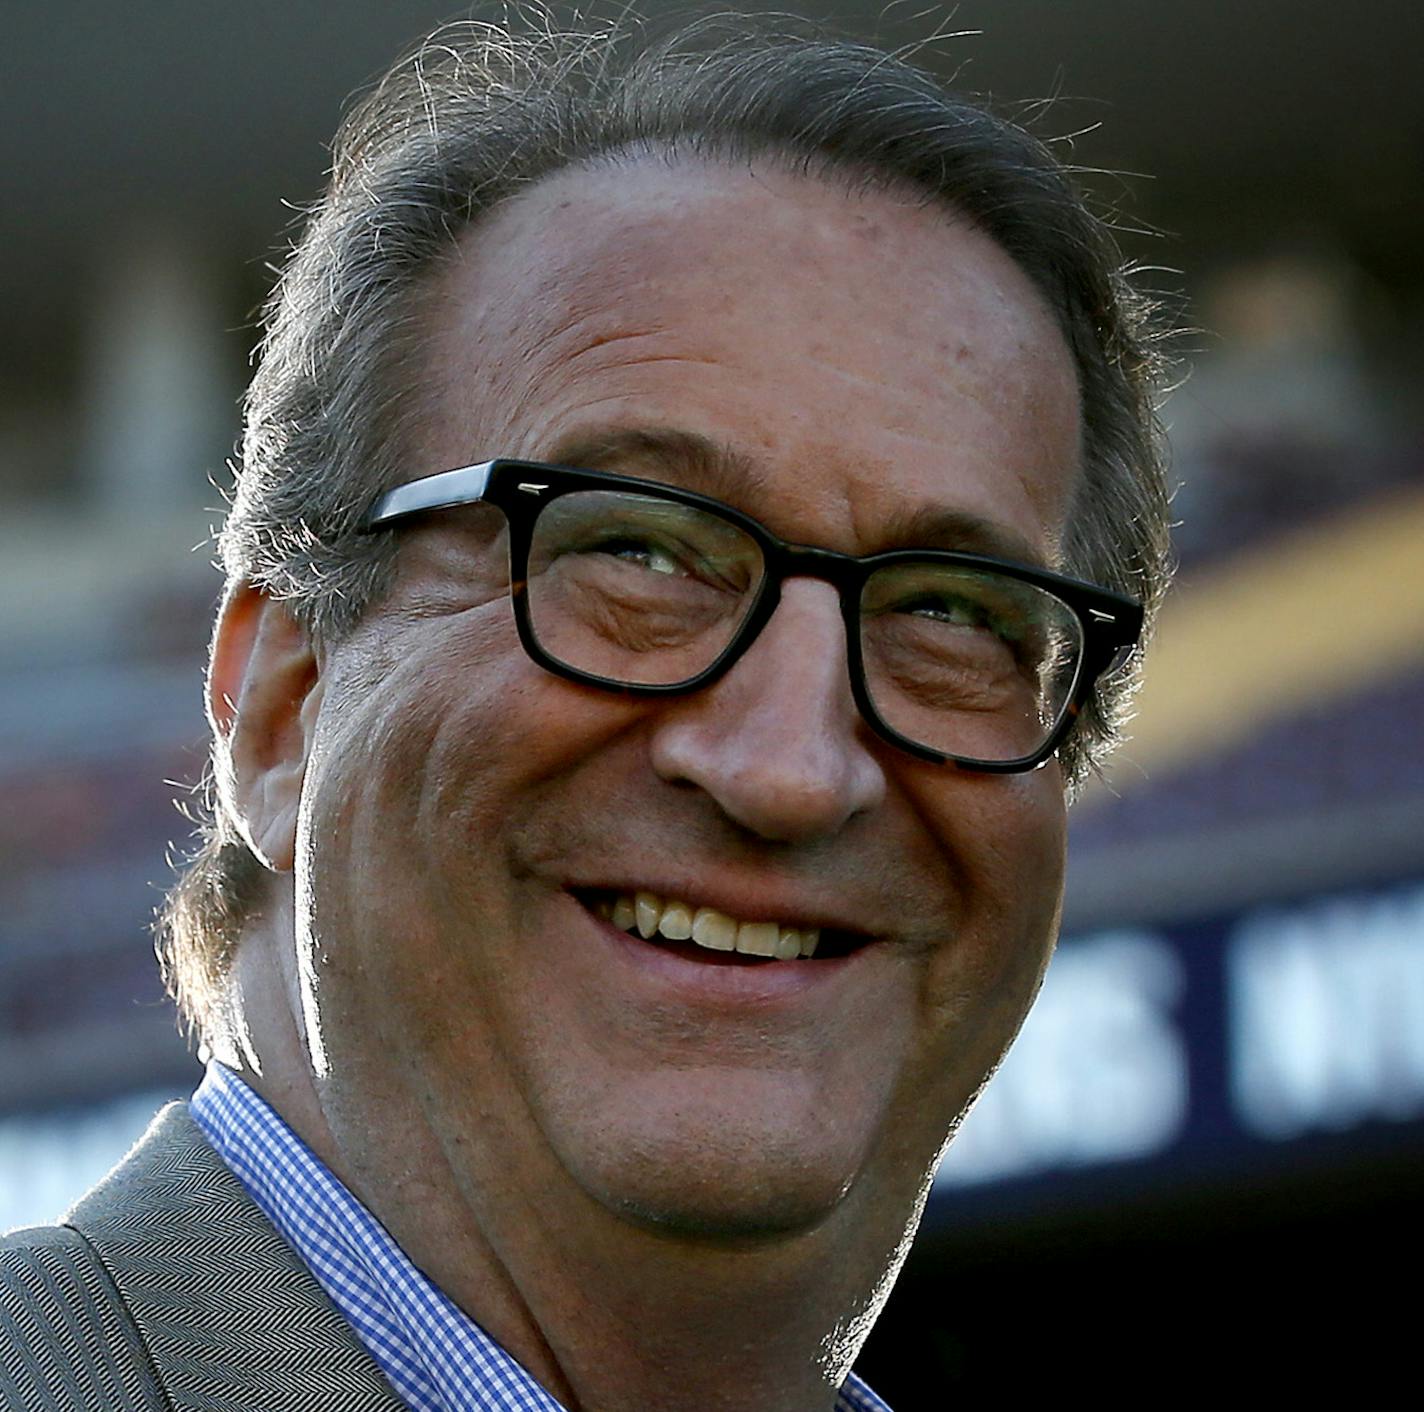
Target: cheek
504, 755
426, 771
1004, 838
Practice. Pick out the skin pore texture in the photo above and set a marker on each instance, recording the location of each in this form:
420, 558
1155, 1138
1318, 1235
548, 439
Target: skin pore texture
660, 1183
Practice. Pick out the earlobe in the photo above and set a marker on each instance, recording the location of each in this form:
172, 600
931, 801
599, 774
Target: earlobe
264, 694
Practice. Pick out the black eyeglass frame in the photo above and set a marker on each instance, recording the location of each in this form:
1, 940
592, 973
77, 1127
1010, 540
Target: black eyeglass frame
1111, 623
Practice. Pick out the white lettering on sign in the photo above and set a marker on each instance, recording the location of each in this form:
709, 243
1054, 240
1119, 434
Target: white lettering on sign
1327, 1015
1098, 1074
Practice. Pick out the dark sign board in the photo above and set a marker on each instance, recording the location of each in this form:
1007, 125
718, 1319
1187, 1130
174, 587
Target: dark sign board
1218, 1050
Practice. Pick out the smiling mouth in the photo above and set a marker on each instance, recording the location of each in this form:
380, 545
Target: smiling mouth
715, 935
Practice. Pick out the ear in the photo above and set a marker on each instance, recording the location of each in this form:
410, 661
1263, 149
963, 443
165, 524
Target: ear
264, 693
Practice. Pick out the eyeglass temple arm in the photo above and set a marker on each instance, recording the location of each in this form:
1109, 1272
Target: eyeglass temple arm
463, 486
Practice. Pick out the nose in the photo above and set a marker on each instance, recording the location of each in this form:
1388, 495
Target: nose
778, 742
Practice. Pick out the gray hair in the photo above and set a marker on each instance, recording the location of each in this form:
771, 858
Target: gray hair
475, 115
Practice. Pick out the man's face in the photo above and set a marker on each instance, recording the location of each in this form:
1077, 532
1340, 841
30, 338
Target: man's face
865, 365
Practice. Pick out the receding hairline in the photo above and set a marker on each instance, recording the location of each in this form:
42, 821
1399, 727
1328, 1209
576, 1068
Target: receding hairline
853, 177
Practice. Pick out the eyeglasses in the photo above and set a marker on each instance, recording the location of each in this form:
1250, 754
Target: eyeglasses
652, 590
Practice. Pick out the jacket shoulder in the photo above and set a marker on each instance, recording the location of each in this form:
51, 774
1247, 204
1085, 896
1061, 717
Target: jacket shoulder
66, 1342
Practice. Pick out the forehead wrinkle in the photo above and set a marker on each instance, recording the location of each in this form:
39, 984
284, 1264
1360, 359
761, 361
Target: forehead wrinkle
606, 352
563, 358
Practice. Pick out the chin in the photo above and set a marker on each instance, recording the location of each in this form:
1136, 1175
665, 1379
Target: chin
724, 1186
767, 1213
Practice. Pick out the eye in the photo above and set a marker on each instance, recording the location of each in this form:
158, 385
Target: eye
638, 536
949, 608
656, 558
718, 566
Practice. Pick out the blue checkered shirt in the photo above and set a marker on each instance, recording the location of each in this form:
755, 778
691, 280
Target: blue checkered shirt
434, 1355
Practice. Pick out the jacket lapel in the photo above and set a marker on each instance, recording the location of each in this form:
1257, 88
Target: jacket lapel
233, 1320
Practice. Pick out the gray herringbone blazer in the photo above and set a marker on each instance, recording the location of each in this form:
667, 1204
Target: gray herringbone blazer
167, 1290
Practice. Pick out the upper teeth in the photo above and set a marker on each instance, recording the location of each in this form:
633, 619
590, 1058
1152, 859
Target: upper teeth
676, 920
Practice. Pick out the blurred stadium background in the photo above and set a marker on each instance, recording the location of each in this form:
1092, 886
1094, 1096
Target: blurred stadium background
1204, 1157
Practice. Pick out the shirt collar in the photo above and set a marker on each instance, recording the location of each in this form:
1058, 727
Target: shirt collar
434, 1355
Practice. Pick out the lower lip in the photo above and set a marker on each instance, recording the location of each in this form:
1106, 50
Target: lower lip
721, 979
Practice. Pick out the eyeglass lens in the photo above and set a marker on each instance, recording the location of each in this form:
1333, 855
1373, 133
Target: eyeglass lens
637, 589
966, 661
643, 591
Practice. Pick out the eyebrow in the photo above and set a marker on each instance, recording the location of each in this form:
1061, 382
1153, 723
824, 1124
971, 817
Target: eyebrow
684, 458
939, 527
696, 462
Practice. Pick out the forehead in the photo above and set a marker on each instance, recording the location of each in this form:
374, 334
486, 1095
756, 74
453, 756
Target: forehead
863, 351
